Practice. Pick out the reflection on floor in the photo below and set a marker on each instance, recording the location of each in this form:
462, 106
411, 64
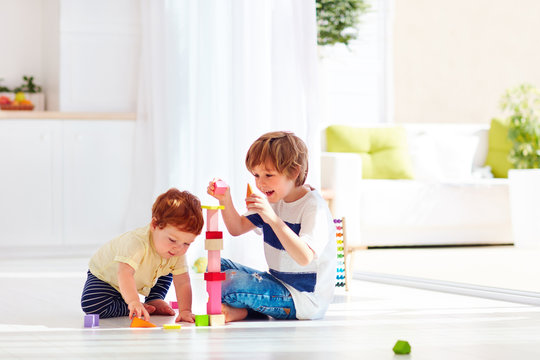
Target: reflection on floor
42, 319
494, 266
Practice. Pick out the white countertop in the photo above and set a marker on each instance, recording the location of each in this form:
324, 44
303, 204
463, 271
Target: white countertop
58, 115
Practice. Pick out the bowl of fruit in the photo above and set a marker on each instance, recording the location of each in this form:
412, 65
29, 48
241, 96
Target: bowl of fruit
20, 102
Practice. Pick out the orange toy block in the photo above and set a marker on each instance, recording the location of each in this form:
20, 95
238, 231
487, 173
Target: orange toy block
248, 193
140, 323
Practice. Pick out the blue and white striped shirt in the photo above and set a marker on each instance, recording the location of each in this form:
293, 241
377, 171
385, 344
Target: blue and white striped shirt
311, 286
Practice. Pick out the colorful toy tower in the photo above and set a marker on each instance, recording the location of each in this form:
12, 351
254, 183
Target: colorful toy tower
214, 244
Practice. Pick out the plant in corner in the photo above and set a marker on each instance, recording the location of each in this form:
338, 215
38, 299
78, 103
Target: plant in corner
523, 104
337, 20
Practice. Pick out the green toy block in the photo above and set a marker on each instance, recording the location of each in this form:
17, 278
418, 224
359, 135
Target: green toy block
402, 347
202, 320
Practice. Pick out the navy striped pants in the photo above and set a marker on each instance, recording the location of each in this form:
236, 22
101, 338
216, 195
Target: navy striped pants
100, 298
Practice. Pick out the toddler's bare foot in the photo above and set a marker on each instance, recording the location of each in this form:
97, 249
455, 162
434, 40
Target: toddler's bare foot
232, 313
161, 307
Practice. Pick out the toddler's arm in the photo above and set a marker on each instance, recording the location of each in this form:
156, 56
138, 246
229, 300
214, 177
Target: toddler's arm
236, 224
128, 289
182, 286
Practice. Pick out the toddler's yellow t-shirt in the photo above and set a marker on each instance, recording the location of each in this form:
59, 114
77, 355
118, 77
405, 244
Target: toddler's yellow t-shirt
136, 249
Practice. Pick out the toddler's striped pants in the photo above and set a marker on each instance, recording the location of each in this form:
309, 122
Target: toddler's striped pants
99, 297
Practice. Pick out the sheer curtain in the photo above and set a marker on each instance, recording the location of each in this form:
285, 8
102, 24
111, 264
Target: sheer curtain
215, 75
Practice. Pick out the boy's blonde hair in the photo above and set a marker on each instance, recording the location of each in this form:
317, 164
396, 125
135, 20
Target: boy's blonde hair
286, 151
180, 209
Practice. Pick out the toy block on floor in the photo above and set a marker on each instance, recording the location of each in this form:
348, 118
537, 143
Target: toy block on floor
217, 319
202, 320
214, 234
172, 326
402, 347
140, 323
220, 187
213, 244
173, 304
214, 276
200, 265
91, 320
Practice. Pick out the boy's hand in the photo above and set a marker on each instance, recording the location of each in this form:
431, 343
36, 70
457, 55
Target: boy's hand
136, 308
185, 315
261, 206
210, 190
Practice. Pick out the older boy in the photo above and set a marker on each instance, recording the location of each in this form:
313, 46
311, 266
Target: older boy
298, 237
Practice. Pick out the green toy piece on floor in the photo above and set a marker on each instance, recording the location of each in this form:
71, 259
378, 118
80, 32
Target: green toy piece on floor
202, 320
402, 347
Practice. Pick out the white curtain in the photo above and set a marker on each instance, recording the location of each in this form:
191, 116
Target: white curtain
215, 75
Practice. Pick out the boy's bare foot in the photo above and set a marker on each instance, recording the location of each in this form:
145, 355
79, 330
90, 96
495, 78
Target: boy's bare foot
232, 313
151, 309
161, 307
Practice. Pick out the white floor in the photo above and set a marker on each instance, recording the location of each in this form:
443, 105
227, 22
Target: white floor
41, 318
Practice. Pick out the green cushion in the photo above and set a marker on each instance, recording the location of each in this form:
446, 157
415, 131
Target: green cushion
499, 148
384, 150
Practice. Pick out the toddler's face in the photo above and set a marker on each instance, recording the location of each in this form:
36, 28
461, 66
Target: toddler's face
170, 241
274, 185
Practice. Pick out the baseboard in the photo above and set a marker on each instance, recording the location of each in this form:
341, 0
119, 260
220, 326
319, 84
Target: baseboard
516, 296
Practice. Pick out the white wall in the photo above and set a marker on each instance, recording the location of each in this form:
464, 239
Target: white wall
21, 51
99, 59
355, 81
454, 59
83, 53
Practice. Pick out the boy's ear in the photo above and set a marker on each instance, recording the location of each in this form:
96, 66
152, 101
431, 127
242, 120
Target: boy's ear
153, 223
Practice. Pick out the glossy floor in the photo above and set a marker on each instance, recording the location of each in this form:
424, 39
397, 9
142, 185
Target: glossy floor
42, 319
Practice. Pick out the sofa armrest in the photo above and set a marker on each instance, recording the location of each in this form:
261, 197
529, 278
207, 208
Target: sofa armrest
341, 175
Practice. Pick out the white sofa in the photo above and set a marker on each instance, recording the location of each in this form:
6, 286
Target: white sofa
451, 200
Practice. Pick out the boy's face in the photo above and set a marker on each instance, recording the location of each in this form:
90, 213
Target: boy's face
274, 185
170, 241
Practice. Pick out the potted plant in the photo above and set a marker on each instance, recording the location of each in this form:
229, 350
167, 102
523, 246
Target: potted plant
337, 20
522, 103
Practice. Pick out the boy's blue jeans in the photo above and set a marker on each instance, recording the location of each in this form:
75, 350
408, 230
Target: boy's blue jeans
256, 291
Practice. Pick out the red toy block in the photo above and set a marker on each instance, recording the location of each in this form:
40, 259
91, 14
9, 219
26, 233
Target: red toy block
214, 234
173, 304
220, 187
214, 276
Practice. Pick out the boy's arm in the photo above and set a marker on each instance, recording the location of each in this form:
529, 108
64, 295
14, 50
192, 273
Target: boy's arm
128, 289
182, 286
297, 249
236, 224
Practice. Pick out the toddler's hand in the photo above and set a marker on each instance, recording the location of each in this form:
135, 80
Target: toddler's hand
185, 315
136, 308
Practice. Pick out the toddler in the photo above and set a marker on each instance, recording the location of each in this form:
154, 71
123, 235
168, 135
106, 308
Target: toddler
145, 261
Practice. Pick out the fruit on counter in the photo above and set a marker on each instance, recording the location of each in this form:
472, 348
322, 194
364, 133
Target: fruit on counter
20, 96
4, 100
